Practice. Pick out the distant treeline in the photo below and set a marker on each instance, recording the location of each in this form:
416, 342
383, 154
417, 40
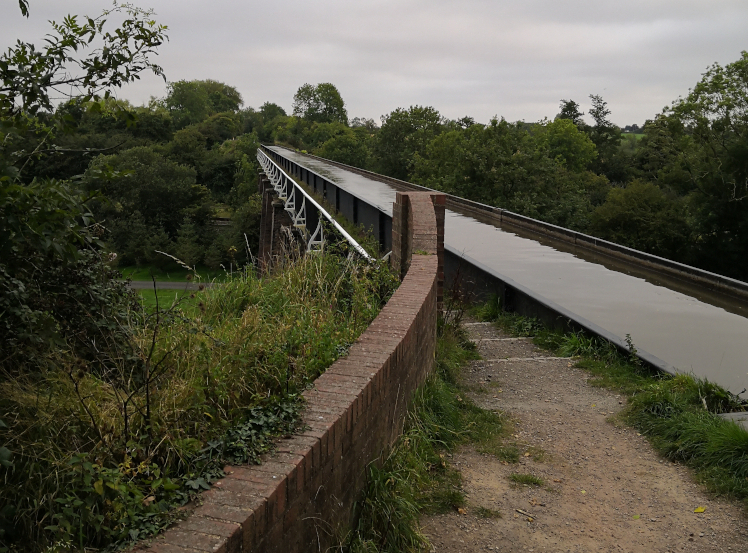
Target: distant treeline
678, 192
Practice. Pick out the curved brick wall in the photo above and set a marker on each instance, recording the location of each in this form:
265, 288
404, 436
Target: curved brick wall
302, 496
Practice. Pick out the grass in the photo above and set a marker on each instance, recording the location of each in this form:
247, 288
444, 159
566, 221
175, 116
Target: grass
173, 273
105, 450
485, 512
416, 477
526, 479
677, 414
186, 301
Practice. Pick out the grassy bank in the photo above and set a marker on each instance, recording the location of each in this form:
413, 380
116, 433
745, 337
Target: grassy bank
416, 477
677, 414
103, 450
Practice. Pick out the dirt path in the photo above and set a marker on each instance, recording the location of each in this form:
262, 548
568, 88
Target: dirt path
598, 476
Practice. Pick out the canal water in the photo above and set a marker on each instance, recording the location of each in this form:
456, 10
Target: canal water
692, 329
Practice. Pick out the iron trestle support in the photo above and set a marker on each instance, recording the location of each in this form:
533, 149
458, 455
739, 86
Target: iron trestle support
281, 183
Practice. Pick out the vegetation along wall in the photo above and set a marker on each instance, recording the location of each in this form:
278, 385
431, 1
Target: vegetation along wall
303, 494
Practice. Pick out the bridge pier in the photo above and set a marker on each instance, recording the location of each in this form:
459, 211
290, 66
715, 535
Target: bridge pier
272, 218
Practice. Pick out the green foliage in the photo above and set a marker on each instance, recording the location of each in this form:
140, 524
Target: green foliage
55, 290
191, 102
643, 217
103, 452
47, 255
30, 75
484, 512
321, 104
568, 145
607, 139
714, 118
404, 134
349, 148
146, 206
188, 248
416, 477
570, 111
503, 164
526, 479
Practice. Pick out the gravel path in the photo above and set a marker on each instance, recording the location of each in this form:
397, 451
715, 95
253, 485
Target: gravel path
605, 489
161, 285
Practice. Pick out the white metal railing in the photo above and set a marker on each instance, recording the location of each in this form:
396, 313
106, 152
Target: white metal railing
296, 199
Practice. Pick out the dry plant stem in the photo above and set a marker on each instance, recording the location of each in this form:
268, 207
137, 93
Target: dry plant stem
83, 403
28, 157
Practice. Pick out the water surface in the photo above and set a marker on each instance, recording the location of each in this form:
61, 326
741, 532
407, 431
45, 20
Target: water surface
694, 330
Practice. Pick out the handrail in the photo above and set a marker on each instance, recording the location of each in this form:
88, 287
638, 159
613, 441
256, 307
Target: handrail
280, 182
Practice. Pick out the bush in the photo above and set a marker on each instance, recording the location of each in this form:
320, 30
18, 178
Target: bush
103, 451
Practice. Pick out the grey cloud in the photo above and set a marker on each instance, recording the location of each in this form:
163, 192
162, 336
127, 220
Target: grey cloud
475, 57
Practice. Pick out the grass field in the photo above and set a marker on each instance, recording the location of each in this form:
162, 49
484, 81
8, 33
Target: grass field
119, 443
173, 274
167, 298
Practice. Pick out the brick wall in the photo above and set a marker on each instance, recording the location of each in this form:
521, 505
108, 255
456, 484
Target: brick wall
418, 226
303, 495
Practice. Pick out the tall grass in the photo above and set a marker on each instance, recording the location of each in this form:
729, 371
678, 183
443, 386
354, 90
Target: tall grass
677, 414
415, 477
103, 452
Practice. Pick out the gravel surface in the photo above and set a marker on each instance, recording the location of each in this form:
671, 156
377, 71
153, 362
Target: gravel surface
161, 285
605, 489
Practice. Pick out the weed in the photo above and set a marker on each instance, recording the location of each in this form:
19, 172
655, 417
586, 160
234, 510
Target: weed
506, 453
485, 512
102, 452
538, 454
526, 479
416, 477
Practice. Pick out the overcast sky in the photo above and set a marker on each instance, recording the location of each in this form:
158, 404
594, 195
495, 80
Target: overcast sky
480, 58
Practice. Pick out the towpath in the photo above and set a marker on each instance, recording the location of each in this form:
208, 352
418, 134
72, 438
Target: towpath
166, 285
604, 488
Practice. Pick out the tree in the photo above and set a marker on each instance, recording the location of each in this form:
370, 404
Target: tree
403, 134
46, 229
641, 216
188, 247
270, 111
711, 127
364, 123
321, 104
161, 190
511, 166
607, 138
31, 75
191, 102
568, 145
349, 148
570, 111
